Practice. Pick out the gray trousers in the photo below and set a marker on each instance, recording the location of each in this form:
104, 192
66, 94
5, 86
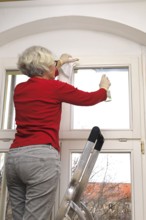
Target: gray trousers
32, 174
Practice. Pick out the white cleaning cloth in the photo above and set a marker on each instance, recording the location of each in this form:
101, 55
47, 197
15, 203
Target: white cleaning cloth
67, 69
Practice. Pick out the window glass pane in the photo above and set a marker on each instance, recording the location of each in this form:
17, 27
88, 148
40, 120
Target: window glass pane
107, 115
12, 79
108, 192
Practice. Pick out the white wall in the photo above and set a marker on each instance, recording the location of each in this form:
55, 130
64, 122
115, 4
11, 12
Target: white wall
130, 13
125, 19
77, 42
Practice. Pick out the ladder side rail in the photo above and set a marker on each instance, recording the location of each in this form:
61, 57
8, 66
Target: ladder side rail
87, 172
90, 144
74, 183
82, 162
78, 211
88, 169
85, 178
87, 213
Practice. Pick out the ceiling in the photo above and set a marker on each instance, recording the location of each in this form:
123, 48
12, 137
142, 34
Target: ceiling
72, 1
32, 3
10, 0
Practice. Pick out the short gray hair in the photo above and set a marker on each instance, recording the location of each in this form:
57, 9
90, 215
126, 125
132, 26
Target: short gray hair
35, 60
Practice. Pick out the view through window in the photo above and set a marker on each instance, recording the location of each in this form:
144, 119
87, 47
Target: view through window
108, 192
13, 77
107, 115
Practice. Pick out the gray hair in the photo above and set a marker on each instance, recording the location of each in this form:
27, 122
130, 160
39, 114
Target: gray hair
35, 60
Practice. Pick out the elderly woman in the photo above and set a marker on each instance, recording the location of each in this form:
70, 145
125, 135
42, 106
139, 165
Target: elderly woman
33, 164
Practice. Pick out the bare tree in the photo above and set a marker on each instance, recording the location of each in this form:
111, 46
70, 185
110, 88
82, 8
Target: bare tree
107, 199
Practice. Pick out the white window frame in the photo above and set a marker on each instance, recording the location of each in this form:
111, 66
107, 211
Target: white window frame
70, 137
133, 64
110, 146
66, 131
5, 64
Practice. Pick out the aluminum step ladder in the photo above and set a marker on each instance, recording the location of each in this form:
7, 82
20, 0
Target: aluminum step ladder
71, 208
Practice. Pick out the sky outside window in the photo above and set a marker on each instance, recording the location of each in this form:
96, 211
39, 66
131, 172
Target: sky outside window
106, 115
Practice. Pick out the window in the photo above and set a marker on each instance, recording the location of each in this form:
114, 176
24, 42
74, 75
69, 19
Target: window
107, 115
109, 190
121, 138
114, 188
119, 118
13, 77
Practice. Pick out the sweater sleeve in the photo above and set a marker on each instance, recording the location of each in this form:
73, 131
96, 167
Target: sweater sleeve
69, 94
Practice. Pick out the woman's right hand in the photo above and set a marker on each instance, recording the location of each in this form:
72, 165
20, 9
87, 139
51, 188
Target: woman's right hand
104, 82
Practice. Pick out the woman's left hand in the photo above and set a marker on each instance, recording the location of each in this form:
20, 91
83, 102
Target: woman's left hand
66, 58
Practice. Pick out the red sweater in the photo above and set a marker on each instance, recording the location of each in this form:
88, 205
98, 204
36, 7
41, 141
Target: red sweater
38, 109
